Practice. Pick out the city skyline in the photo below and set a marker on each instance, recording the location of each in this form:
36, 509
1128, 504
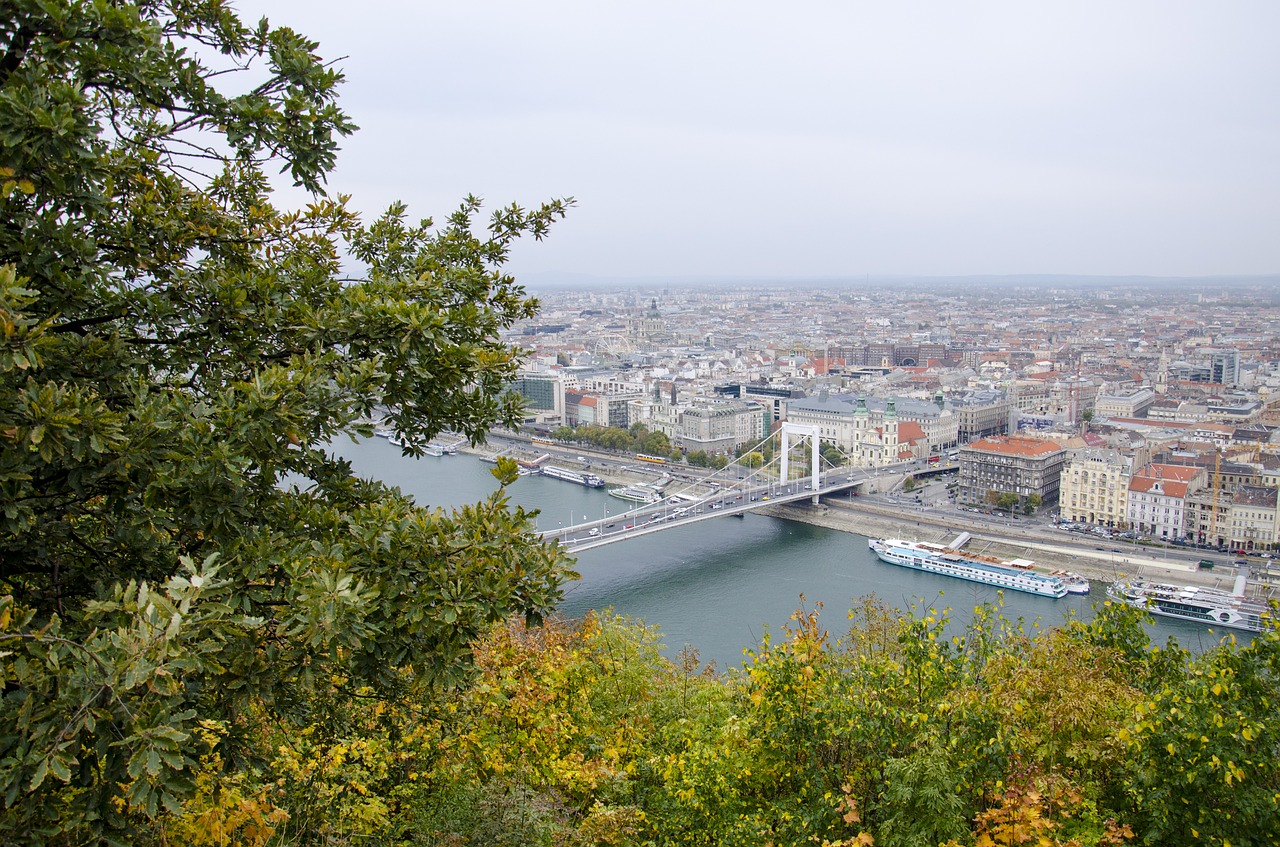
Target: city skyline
835, 140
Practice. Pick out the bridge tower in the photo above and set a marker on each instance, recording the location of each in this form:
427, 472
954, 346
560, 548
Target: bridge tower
802, 432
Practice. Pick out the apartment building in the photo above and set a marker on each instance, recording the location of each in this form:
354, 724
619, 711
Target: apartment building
1251, 520
714, 426
1013, 464
599, 408
979, 414
1095, 487
720, 427
1158, 499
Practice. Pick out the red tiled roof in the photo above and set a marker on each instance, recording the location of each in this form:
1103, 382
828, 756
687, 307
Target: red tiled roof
909, 431
1169, 487
1174, 480
1015, 446
1182, 473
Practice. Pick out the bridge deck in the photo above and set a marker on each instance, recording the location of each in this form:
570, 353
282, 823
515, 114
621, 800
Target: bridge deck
657, 517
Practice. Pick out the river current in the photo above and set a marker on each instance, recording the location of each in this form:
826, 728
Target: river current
719, 585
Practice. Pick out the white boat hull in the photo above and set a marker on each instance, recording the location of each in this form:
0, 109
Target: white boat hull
952, 563
1190, 603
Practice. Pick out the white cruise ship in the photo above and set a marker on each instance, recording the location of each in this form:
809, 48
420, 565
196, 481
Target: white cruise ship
590, 480
638, 493
1192, 603
935, 558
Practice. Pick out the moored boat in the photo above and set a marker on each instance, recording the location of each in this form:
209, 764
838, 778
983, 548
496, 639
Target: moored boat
639, 493
1076, 583
947, 561
1194, 603
590, 480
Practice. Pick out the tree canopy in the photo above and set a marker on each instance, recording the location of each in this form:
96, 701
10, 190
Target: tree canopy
179, 541
213, 632
907, 730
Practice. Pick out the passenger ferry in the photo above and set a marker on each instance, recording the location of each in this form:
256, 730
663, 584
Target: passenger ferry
639, 493
590, 480
935, 558
1193, 603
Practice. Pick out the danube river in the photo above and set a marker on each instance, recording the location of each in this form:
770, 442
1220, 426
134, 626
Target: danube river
718, 585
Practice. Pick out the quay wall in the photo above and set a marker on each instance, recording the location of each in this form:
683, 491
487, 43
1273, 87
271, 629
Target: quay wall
876, 520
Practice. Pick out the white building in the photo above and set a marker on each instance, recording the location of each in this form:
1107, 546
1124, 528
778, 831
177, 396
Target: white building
850, 422
1158, 499
715, 426
1124, 404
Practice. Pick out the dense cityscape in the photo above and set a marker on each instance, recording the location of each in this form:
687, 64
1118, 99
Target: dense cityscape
1151, 408
230, 614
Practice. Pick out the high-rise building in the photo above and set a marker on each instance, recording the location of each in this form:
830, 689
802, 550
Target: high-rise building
543, 395
1224, 366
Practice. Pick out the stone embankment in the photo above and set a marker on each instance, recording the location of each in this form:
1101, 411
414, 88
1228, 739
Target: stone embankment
876, 520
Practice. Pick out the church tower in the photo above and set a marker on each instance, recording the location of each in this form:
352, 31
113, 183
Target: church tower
861, 424
891, 431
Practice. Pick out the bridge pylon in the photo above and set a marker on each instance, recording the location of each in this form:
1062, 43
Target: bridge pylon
803, 431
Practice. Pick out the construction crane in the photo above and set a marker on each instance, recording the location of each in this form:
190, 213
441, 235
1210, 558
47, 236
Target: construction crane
1217, 495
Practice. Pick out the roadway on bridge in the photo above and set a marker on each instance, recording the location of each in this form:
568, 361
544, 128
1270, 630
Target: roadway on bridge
678, 510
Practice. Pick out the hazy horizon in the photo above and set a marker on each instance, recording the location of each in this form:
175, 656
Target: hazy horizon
826, 139
557, 279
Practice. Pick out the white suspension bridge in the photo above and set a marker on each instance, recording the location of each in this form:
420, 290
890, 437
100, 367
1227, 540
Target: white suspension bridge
726, 493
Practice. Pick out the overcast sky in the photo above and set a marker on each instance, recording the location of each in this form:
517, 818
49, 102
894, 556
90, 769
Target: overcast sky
825, 138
